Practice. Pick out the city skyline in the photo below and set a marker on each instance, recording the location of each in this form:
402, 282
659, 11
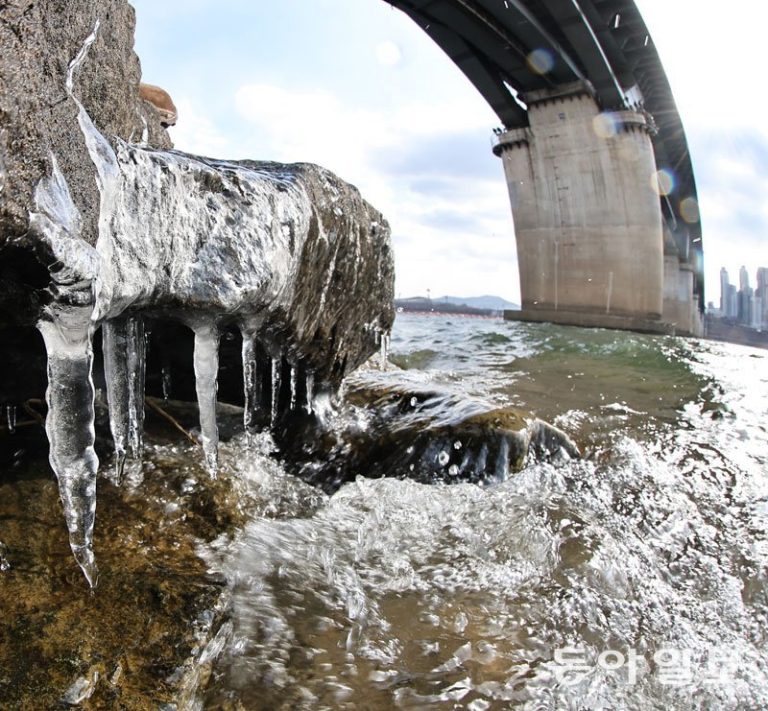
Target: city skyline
747, 305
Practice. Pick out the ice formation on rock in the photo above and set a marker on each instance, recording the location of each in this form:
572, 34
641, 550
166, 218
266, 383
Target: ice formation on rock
283, 251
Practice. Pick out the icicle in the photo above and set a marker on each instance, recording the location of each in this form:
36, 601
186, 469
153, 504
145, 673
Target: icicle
384, 350
69, 425
166, 376
310, 391
206, 374
137, 349
115, 347
275, 390
4, 564
294, 377
124, 367
251, 383
10, 418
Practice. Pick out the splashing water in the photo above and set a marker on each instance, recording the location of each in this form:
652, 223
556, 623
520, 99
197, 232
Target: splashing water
634, 578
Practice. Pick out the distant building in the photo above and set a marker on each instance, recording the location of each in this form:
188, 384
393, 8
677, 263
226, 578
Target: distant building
757, 312
743, 278
724, 283
761, 292
743, 313
746, 296
733, 302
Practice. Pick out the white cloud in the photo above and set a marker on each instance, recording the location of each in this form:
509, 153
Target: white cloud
316, 126
712, 56
196, 133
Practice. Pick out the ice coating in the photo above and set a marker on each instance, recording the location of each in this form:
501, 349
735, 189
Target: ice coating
207, 243
206, 374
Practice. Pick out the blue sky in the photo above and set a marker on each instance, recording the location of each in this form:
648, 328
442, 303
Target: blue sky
357, 87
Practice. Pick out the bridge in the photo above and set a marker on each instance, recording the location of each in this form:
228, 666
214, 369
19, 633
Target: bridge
596, 160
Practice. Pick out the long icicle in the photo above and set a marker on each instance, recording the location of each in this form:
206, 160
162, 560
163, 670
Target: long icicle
137, 351
124, 369
251, 382
206, 384
114, 338
276, 383
69, 426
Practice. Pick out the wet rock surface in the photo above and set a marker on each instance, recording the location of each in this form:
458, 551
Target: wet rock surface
38, 118
37, 43
290, 255
390, 429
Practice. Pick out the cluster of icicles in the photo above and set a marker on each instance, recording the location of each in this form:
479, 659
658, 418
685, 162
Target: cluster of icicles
144, 262
272, 387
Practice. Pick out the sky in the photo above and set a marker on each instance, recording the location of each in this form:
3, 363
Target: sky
357, 87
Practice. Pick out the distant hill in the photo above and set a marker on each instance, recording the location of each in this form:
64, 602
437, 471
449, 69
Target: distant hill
495, 303
472, 305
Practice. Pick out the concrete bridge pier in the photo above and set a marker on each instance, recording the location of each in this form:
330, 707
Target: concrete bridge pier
587, 214
681, 299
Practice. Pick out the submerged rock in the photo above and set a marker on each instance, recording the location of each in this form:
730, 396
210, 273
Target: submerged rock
135, 643
386, 430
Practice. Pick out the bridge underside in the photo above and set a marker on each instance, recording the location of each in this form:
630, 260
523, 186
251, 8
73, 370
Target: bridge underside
579, 87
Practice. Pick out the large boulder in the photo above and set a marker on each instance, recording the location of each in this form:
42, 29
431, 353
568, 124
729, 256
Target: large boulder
385, 427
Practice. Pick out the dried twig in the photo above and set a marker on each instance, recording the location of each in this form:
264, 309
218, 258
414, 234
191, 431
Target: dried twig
23, 423
152, 404
34, 414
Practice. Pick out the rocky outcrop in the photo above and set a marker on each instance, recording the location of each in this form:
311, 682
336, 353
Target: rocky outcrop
38, 120
37, 115
161, 101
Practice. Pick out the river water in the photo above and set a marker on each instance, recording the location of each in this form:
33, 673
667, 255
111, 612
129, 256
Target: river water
632, 578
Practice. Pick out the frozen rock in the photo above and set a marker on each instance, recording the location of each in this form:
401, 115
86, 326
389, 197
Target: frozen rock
291, 254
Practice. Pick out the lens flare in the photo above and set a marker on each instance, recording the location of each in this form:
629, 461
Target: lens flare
541, 61
663, 182
388, 54
605, 125
689, 210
